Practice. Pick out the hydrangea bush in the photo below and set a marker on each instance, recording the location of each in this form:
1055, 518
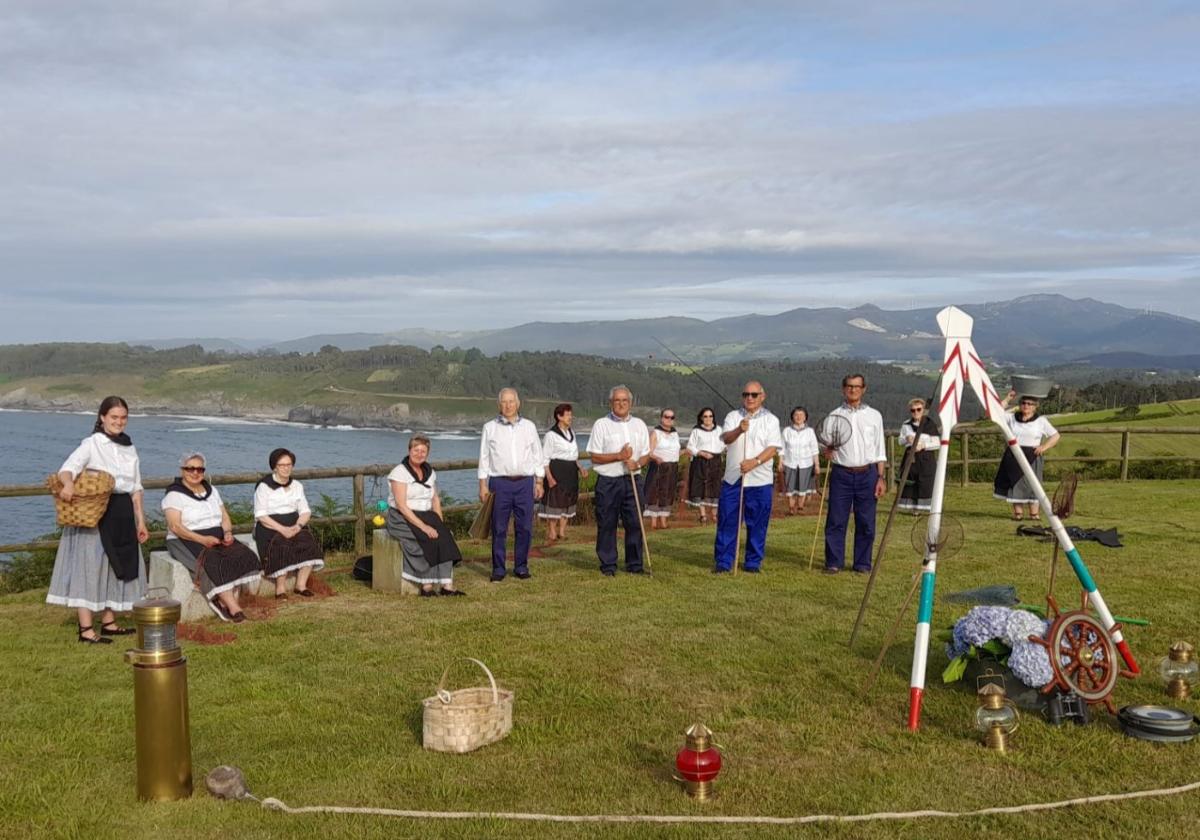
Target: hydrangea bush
1000, 633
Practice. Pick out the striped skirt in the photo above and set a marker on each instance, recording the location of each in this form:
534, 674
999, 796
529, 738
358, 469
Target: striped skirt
84, 578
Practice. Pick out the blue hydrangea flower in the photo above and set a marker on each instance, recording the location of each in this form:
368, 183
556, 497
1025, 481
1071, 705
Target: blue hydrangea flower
1030, 663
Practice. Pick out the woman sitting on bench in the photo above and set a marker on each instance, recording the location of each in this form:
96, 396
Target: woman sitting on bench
414, 519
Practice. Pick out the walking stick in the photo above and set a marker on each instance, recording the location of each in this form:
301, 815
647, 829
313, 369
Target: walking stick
812, 555
891, 634
909, 458
641, 525
737, 546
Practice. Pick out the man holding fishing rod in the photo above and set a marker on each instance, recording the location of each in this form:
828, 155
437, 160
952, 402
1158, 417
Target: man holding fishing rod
753, 437
620, 445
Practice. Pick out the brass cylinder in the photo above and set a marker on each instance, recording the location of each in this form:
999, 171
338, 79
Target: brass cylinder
699, 790
1178, 689
164, 745
996, 739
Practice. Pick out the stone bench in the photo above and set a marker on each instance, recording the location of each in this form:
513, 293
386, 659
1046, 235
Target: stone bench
387, 563
171, 575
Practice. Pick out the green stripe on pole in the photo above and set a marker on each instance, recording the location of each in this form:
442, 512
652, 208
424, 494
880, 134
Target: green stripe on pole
1081, 571
925, 610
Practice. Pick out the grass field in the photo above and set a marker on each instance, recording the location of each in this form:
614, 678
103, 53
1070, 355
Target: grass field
320, 704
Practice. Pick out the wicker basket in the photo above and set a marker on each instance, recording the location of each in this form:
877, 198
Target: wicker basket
467, 719
87, 505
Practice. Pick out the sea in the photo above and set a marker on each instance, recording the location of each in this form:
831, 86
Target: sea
36, 443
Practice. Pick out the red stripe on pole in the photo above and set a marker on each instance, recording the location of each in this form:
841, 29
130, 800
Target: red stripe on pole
914, 708
1127, 655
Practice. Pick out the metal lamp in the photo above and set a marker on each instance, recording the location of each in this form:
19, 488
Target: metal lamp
1179, 670
996, 717
160, 705
698, 762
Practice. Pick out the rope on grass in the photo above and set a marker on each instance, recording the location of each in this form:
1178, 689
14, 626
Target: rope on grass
278, 805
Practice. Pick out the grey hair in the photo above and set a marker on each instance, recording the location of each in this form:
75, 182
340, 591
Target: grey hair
510, 389
183, 459
612, 392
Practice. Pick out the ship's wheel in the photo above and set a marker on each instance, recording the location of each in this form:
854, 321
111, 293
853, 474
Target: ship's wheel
1082, 656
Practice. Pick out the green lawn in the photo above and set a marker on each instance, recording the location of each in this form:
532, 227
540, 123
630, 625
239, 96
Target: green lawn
320, 704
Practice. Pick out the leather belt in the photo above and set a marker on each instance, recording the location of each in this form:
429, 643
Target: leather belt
513, 477
854, 469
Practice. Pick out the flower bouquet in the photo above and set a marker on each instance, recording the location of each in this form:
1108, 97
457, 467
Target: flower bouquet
999, 635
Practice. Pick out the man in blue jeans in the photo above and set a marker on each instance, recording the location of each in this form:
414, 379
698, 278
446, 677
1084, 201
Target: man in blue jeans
511, 468
620, 445
856, 479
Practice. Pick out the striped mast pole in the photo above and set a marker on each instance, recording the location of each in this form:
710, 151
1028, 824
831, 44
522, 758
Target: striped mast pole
948, 405
982, 385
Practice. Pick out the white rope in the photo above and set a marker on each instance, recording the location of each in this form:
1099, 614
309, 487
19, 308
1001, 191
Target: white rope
278, 805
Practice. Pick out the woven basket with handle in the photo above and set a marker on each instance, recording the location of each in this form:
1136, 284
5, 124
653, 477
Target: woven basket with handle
468, 718
87, 505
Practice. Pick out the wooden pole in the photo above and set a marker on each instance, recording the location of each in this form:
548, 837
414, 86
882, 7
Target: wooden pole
966, 459
1125, 455
360, 518
909, 458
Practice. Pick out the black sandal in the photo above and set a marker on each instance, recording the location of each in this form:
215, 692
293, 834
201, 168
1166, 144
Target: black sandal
445, 591
117, 630
427, 593
95, 640
305, 593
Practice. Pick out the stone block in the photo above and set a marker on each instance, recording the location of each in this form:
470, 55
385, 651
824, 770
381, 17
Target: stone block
388, 564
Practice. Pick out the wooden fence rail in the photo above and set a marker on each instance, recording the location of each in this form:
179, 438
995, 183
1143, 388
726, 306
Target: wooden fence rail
358, 475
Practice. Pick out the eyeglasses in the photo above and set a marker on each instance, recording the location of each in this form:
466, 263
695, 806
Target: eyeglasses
194, 469
854, 387
1028, 402
668, 416
281, 464
915, 410
751, 394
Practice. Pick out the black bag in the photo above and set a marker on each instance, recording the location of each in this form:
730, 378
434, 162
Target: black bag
363, 568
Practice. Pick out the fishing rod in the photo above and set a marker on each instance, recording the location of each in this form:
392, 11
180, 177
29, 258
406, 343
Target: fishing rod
696, 373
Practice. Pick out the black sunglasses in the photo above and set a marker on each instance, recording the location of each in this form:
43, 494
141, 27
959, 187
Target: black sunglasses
668, 416
751, 393
194, 469
915, 410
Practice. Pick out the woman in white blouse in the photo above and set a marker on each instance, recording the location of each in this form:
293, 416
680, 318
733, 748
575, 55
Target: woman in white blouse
200, 536
100, 569
662, 473
921, 440
414, 519
281, 514
706, 464
799, 464
1035, 436
563, 472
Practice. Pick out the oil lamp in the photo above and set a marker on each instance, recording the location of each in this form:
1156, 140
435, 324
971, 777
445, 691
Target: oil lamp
160, 704
698, 762
996, 717
1178, 670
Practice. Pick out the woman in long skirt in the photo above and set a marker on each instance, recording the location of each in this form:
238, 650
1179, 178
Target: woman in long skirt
1035, 436
414, 519
563, 472
706, 465
200, 537
100, 570
799, 463
921, 440
281, 513
662, 473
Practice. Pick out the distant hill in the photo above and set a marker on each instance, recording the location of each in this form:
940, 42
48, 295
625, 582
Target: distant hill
1144, 362
1033, 330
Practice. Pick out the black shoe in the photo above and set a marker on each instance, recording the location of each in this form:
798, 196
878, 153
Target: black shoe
750, 571
427, 593
830, 570
116, 630
523, 575
305, 593
496, 578
217, 607
861, 571
94, 640
608, 572
445, 591
238, 617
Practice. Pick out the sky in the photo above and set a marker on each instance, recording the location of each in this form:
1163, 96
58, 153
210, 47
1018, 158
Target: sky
274, 170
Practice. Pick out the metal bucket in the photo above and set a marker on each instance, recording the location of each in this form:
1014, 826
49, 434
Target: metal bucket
1032, 386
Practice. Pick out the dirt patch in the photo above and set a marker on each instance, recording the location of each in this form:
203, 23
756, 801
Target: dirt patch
202, 635
320, 588
258, 608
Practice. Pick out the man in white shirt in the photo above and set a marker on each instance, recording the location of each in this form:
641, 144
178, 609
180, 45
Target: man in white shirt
510, 466
752, 436
856, 479
620, 445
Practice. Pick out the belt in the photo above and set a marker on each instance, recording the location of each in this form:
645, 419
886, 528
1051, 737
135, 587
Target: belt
513, 477
854, 469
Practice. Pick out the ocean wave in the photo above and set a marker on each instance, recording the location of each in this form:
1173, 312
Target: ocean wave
192, 429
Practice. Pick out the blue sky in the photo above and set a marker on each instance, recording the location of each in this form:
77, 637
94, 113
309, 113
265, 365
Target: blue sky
281, 169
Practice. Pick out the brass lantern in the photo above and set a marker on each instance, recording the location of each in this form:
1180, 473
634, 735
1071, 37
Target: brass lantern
1178, 670
160, 704
996, 717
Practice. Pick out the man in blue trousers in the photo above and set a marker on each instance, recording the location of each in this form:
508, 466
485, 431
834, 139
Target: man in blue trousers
620, 445
511, 468
856, 479
752, 436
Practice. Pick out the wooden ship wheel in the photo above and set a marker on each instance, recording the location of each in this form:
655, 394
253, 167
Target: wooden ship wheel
1082, 656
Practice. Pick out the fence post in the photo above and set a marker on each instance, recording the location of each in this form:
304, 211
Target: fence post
966, 459
1125, 455
891, 457
360, 520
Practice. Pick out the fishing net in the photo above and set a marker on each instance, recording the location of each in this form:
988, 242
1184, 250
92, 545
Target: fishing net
946, 543
1063, 503
833, 432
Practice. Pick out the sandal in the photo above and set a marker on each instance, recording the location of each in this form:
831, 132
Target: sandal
280, 596
305, 593
427, 593
117, 630
92, 640
445, 591
238, 617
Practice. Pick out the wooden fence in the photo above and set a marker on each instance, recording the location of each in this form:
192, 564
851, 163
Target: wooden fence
360, 515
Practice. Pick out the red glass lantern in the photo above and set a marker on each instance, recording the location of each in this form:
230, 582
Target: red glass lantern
698, 762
